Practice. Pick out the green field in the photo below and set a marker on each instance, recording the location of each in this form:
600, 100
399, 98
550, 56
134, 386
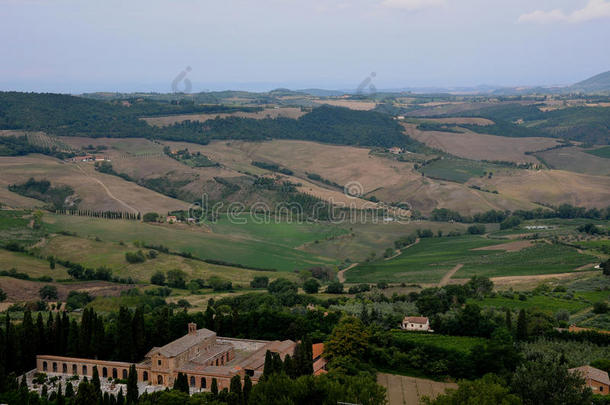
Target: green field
458, 170
541, 258
425, 262
429, 260
601, 152
269, 246
457, 343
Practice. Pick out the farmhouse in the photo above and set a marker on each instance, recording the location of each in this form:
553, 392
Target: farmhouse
417, 323
199, 354
171, 219
595, 379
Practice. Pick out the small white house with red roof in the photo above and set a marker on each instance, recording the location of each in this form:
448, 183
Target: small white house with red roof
416, 323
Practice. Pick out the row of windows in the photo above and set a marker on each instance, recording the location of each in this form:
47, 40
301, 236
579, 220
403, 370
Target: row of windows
64, 370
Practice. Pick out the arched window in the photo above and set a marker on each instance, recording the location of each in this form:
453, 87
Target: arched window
192, 381
54, 367
217, 362
115, 374
64, 368
160, 379
145, 376
105, 372
203, 385
84, 370
124, 374
44, 366
74, 369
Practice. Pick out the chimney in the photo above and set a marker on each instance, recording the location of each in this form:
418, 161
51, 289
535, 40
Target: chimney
192, 328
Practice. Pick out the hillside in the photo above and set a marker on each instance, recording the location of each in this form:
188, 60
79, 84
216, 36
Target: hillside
598, 83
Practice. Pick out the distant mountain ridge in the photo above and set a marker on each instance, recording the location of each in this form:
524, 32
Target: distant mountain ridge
597, 83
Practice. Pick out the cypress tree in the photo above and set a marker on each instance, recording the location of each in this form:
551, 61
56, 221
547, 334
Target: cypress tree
69, 390
120, 399
95, 381
509, 322
59, 398
139, 337
28, 336
132, 385
214, 387
268, 367
522, 326
125, 342
289, 367
247, 388
181, 383
235, 387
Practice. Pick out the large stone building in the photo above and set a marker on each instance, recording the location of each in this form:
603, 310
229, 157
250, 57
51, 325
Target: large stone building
595, 379
200, 354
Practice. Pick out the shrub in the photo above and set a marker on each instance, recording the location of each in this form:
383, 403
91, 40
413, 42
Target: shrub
150, 217
260, 282
220, 284
281, 285
600, 307
158, 278
77, 299
176, 278
311, 286
48, 292
476, 229
335, 288
135, 257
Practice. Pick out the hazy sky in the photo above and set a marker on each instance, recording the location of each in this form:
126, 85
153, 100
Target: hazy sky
83, 45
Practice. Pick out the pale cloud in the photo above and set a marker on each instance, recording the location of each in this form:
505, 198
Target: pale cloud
595, 9
412, 5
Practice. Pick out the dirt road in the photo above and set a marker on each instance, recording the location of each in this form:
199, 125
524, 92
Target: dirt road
450, 273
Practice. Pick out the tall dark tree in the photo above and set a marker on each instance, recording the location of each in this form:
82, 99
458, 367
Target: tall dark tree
522, 325
139, 335
235, 388
132, 385
214, 387
247, 388
125, 338
28, 334
181, 383
509, 321
95, 381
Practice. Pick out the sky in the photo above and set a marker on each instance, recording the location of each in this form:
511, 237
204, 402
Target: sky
75, 46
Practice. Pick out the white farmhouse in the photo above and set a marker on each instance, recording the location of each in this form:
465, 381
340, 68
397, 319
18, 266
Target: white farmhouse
416, 323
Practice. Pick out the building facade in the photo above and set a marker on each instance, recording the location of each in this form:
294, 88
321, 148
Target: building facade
199, 354
595, 379
416, 323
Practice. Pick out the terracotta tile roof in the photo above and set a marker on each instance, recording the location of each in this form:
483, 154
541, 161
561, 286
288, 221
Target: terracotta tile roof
317, 349
593, 373
182, 344
416, 319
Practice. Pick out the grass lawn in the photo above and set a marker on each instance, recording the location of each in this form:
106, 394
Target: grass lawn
32, 266
541, 258
264, 246
543, 303
425, 262
603, 152
457, 170
92, 253
457, 343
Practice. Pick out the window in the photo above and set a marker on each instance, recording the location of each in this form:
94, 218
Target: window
64, 368
145, 376
44, 366
192, 380
158, 362
115, 374
105, 372
54, 367
124, 374
160, 379
84, 370
203, 382
217, 362
601, 389
74, 369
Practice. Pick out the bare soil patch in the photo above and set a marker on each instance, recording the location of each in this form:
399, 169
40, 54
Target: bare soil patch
351, 104
510, 246
410, 390
471, 145
287, 112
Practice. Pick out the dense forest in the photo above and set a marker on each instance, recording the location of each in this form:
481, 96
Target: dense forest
64, 115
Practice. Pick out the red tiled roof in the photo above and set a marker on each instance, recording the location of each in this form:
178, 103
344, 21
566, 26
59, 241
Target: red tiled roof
416, 319
317, 349
593, 373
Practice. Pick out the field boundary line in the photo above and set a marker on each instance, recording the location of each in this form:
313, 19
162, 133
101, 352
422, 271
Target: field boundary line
341, 274
445, 280
399, 252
